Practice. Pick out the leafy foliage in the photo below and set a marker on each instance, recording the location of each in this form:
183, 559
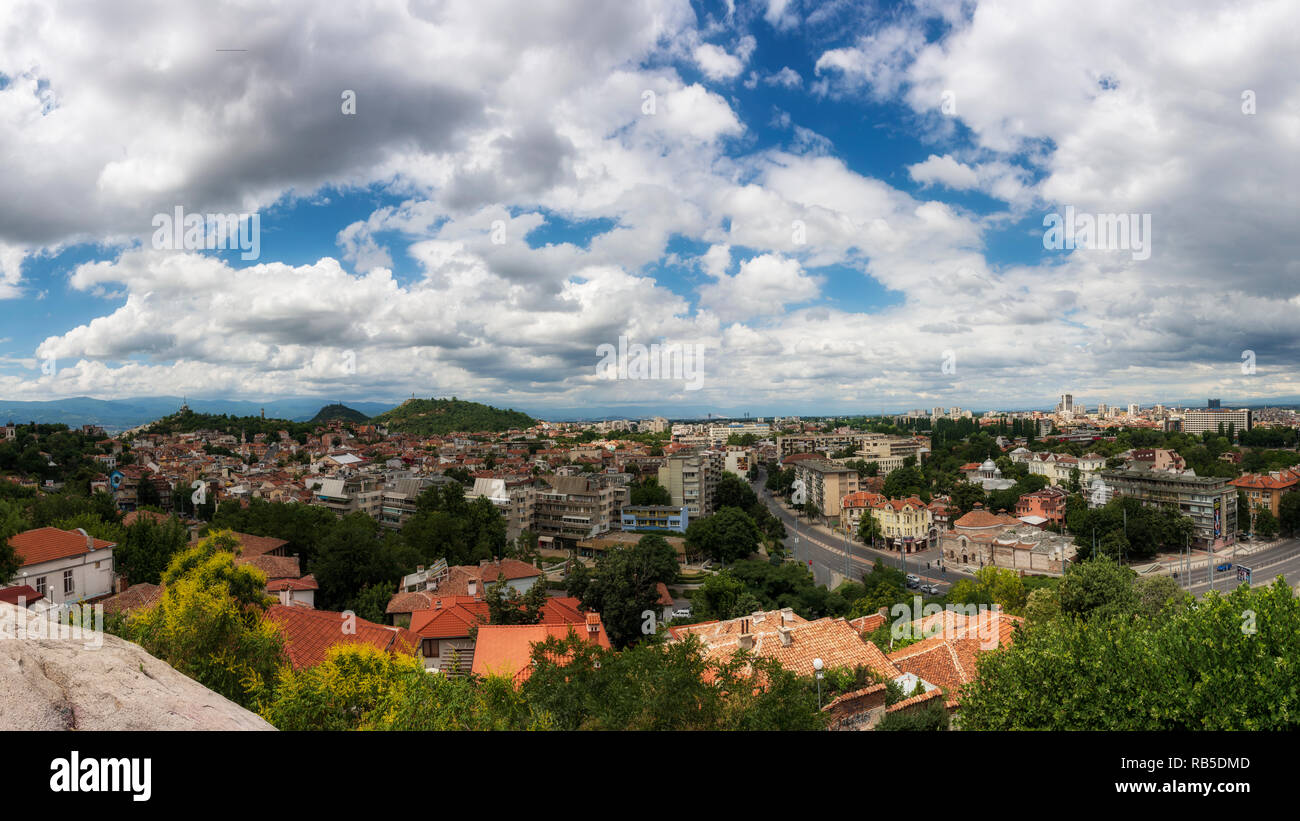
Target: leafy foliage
1224, 663
208, 623
439, 417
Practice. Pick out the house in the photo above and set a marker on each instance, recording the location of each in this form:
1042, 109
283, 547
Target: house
1047, 504
506, 650
788, 638
951, 642
284, 578
1264, 490
20, 594
309, 634
64, 565
447, 630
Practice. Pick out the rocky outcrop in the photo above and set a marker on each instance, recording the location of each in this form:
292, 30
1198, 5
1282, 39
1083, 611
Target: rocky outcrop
69, 683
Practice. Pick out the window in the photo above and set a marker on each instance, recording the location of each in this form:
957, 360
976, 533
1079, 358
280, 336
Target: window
68, 586
40, 585
431, 648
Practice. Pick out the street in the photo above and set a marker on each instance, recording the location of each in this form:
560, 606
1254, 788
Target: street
826, 553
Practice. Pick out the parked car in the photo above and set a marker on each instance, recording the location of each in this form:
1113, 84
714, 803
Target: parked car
682, 614
913, 581
1223, 568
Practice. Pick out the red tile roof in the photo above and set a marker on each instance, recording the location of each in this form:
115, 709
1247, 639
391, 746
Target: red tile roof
45, 544
506, 649
25, 592
308, 634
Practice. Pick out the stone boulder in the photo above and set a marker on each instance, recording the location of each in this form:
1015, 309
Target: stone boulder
68, 683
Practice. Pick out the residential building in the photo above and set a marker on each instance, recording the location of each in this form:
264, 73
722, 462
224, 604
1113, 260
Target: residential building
1264, 490
826, 484
691, 478
572, 508
309, 634
1046, 506
507, 649
1209, 501
64, 566
656, 517
517, 503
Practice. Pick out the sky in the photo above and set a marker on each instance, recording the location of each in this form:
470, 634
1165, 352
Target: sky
823, 206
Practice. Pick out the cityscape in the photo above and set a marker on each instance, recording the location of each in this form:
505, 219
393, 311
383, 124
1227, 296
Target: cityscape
918, 367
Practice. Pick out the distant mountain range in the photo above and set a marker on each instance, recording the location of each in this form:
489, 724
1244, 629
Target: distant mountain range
122, 414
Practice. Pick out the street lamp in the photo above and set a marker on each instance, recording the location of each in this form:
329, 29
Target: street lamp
818, 664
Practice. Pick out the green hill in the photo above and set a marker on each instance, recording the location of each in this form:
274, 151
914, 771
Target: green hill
338, 411
187, 421
438, 417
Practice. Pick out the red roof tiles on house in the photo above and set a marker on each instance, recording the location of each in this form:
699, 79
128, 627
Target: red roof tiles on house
308, 634
506, 649
46, 544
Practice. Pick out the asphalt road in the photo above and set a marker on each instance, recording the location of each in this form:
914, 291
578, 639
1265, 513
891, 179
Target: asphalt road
1265, 566
826, 553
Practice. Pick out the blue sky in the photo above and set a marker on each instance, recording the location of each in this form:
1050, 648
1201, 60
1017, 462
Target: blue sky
917, 147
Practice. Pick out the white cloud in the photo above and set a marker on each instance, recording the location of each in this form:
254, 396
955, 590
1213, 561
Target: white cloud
945, 171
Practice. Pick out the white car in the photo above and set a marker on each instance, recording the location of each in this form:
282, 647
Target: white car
682, 614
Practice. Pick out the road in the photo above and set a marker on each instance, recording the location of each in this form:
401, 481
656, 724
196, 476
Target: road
1266, 565
826, 553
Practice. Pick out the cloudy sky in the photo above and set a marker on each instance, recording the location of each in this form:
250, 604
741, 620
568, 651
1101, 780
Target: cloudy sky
843, 203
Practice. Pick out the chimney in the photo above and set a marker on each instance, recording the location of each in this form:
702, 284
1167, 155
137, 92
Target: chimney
786, 634
284, 595
746, 641
787, 615
472, 587
593, 627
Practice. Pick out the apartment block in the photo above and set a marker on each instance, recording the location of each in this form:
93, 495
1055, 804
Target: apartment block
571, 508
656, 517
826, 483
1209, 501
691, 478
1199, 421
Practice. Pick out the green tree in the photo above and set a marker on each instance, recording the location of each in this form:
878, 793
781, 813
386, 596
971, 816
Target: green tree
507, 605
148, 548
209, 624
727, 536
1229, 663
1099, 586
625, 585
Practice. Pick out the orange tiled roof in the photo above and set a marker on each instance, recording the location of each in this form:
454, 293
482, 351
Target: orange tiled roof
45, 544
506, 649
308, 634
979, 518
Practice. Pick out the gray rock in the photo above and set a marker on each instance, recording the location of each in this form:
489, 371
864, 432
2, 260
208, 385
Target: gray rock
68, 683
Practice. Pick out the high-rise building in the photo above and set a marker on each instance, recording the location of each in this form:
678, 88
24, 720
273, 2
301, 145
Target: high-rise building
1133, 409
1066, 405
1212, 404
1199, 421
691, 478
